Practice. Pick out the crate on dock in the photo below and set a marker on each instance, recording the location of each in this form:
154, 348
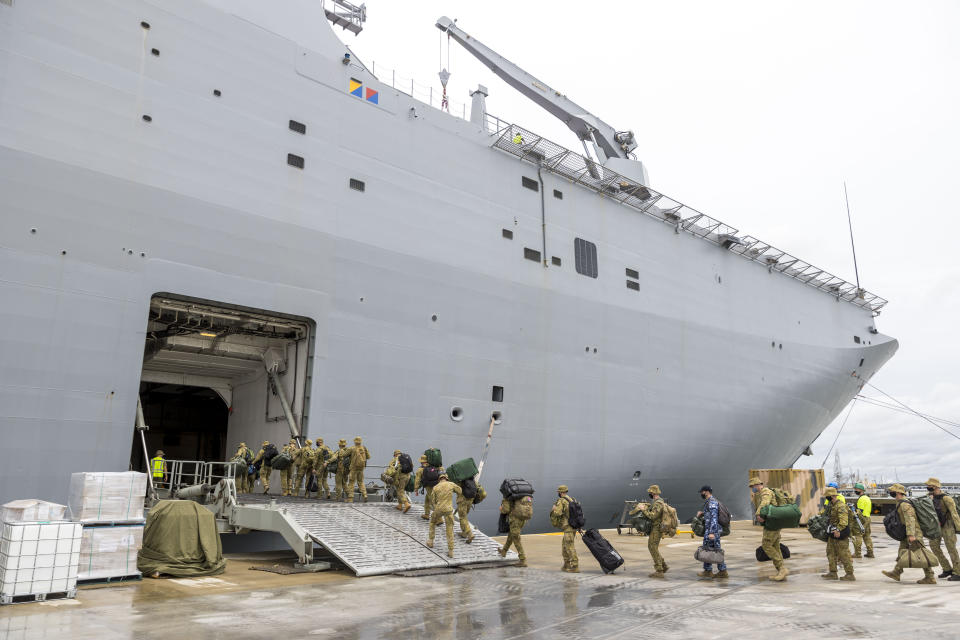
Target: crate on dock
107, 496
109, 552
32, 511
38, 559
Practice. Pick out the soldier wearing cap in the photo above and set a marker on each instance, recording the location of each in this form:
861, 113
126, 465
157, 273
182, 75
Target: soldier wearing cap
914, 539
303, 458
158, 467
242, 471
949, 524
711, 531
287, 475
559, 516
770, 541
359, 454
321, 457
443, 493
264, 467
865, 507
428, 491
400, 480
340, 475
654, 513
838, 549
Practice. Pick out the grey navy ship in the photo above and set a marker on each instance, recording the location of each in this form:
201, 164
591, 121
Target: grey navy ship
256, 236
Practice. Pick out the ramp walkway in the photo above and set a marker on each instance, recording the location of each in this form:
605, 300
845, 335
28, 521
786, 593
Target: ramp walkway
369, 538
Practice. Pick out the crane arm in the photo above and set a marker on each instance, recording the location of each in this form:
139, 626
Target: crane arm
589, 128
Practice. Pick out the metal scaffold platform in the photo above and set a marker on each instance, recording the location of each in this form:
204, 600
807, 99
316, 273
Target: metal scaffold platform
369, 538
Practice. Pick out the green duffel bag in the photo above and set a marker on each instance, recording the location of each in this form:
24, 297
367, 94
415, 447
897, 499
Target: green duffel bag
785, 517
434, 458
461, 470
817, 526
699, 528
641, 523
281, 461
411, 484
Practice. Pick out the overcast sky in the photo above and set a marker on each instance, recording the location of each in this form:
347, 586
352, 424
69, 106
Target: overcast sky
755, 113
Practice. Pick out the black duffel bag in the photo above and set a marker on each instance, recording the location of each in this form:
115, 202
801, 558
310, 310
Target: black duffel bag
502, 525
895, 529
513, 488
763, 557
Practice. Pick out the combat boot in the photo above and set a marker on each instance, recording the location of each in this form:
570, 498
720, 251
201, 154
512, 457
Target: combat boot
954, 578
450, 553
892, 575
522, 563
665, 567
722, 574
848, 577
656, 574
705, 574
946, 574
398, 508
829, 575
407, 508
781, 575
927, 580
869, 555
503, 554
857, 555
424, 516
573, 570
469, 538
430, 544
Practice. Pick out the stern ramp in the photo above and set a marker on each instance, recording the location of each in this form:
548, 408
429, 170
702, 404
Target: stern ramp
369, 538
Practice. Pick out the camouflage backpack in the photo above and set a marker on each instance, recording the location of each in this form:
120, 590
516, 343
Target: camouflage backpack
481, 494
782, 498
669, 522
522, 508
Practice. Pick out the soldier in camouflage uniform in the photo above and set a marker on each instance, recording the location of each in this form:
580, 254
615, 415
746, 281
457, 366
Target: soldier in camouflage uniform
443, 510
286, 475
559, 516
303, 458
518, 513
654, 513
428, 491
242, 479
321, 456
400, 480
359, 454
340, 475
762, 496
838, 549
463, 508
264, 467
908, 517
949, 523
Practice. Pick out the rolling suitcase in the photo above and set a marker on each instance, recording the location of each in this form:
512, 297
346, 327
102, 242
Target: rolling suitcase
602, 550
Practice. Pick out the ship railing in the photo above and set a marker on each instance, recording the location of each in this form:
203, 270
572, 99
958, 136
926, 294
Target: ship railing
185, 473
574, 167
426, 94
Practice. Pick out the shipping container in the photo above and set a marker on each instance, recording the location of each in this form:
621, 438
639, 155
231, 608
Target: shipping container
805, 485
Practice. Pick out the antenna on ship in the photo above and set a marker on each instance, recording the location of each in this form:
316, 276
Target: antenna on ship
853, 248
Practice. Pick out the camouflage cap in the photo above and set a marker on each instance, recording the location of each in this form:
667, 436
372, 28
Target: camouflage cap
423, 458
319, 441
830, 491
933, 482
308, 442
242, 444
562, 489
265, 443
860, 486
897, 488
444, 476
342, 442
753, 481
358, 440
654, 488
397, 452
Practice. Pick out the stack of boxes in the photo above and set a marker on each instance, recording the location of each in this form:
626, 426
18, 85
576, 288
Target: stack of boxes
37, 559
110, 508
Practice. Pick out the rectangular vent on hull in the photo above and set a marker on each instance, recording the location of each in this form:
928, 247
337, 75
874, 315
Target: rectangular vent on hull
556, 261
585, 254
299, 127
531, 254
856, 339
533, 185
507, 234
633, 273
9, 3
358, 185
558, 194
498, 394
295, 161
631, 284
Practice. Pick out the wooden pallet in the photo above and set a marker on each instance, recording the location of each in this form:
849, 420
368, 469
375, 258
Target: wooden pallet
38, 597
133, 577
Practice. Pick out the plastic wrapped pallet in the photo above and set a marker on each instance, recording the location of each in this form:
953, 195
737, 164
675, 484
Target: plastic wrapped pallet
38, 558
110, 551
107, 496
32, 511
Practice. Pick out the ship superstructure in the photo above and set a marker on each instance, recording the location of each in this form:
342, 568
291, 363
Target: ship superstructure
258, 237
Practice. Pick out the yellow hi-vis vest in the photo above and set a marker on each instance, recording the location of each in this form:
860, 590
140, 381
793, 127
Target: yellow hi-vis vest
865, 505
158, 466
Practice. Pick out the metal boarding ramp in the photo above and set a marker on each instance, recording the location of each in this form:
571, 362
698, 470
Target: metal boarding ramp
370, 538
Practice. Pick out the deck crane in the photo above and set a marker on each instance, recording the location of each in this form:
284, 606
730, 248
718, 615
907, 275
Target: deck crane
612, 148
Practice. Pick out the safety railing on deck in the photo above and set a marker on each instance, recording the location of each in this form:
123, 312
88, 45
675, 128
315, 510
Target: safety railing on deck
578, 169
185, 473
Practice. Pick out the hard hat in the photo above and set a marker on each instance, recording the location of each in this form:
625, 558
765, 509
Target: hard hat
562, 489
833, 484
897, 488
933, 482
754, 480
654, 488
860, 486
830, 491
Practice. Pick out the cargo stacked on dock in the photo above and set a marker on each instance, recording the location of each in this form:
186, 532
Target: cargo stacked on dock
38, 560
110, 507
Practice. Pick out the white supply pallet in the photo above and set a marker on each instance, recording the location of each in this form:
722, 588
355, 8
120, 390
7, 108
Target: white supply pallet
108, 552
39, 560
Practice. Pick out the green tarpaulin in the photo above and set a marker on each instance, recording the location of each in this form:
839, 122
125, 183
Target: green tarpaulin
180, 539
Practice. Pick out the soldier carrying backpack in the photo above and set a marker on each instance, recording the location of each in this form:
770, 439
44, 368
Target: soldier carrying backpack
663, 519
566, 513
911, 554
518, 513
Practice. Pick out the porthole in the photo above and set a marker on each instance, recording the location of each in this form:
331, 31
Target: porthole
456, 414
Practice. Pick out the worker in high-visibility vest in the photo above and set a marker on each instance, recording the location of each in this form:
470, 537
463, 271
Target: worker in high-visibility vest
158, 467
518, 139
865, 507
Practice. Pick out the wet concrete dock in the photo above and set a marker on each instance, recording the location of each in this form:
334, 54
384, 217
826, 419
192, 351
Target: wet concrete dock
537, 602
